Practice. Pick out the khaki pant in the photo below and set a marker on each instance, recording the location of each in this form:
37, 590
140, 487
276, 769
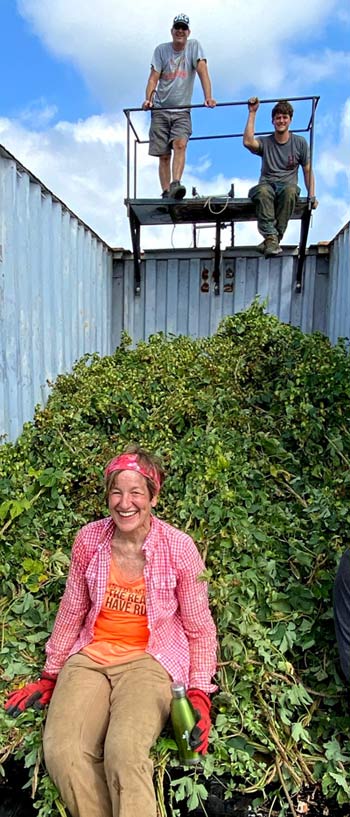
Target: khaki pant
101, 724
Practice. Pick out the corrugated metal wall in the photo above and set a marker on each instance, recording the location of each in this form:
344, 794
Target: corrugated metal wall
338, 324
55, 292
177, 291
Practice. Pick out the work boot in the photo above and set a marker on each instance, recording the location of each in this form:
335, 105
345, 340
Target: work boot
272, 246
166, 194
177, 190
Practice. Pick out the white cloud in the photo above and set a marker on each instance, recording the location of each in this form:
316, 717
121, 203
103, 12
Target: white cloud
82, 163
37, 114
329, 166
345, 123
333, 161
247, 44
101, 129
333, 212
319, 65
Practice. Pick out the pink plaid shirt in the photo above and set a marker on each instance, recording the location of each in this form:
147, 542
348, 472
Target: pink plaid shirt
182, 635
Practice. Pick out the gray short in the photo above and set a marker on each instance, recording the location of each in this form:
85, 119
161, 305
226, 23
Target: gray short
165, 127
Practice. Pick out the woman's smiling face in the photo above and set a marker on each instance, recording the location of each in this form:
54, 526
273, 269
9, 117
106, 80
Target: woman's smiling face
130, 504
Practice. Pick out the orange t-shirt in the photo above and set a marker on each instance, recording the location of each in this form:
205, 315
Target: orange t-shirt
120, 632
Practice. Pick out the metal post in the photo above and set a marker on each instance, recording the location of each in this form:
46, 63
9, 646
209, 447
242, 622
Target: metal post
232, 195
217, 257
135, 166
128, 158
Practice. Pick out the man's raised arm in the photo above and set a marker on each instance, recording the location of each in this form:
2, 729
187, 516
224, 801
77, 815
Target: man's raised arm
249, 140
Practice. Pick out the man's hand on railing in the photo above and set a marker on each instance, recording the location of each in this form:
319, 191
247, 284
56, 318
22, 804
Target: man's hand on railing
253, 104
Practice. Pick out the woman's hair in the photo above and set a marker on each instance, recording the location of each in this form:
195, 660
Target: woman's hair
148, 462
282, 106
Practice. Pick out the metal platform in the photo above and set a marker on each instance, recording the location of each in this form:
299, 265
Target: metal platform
219, 211
199, 210
215, 210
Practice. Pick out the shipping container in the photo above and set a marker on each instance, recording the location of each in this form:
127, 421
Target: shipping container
65, 293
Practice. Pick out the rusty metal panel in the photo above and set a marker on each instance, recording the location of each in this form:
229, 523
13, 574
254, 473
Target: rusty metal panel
55, 292
177, 291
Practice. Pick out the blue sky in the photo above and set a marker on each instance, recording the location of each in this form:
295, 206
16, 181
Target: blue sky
69, 67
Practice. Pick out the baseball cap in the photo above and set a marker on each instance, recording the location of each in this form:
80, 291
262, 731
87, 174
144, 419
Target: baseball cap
181, 19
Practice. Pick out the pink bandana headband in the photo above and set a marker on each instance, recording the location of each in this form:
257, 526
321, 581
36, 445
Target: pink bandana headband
129, 462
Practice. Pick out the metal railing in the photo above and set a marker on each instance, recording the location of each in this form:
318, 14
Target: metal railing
131, 131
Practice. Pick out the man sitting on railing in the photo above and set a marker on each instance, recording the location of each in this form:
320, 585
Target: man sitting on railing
282, 154
173, 69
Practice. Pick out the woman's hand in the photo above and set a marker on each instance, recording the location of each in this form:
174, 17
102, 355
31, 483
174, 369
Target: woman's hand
36, 694
200, 701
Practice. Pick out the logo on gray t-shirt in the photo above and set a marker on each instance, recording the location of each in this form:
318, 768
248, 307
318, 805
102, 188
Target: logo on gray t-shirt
177, 71
280, 162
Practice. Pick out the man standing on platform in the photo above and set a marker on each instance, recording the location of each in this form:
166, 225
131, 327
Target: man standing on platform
282, 154
173, 69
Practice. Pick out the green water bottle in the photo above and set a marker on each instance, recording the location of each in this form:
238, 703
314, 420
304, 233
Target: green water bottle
183, 720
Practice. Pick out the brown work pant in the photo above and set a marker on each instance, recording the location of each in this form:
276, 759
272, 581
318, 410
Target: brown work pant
101, 724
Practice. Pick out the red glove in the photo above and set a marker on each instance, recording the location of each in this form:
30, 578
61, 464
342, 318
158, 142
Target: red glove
36, 695
198, 739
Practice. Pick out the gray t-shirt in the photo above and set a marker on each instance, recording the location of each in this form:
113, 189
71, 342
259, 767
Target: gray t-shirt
177, 71
280, 163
